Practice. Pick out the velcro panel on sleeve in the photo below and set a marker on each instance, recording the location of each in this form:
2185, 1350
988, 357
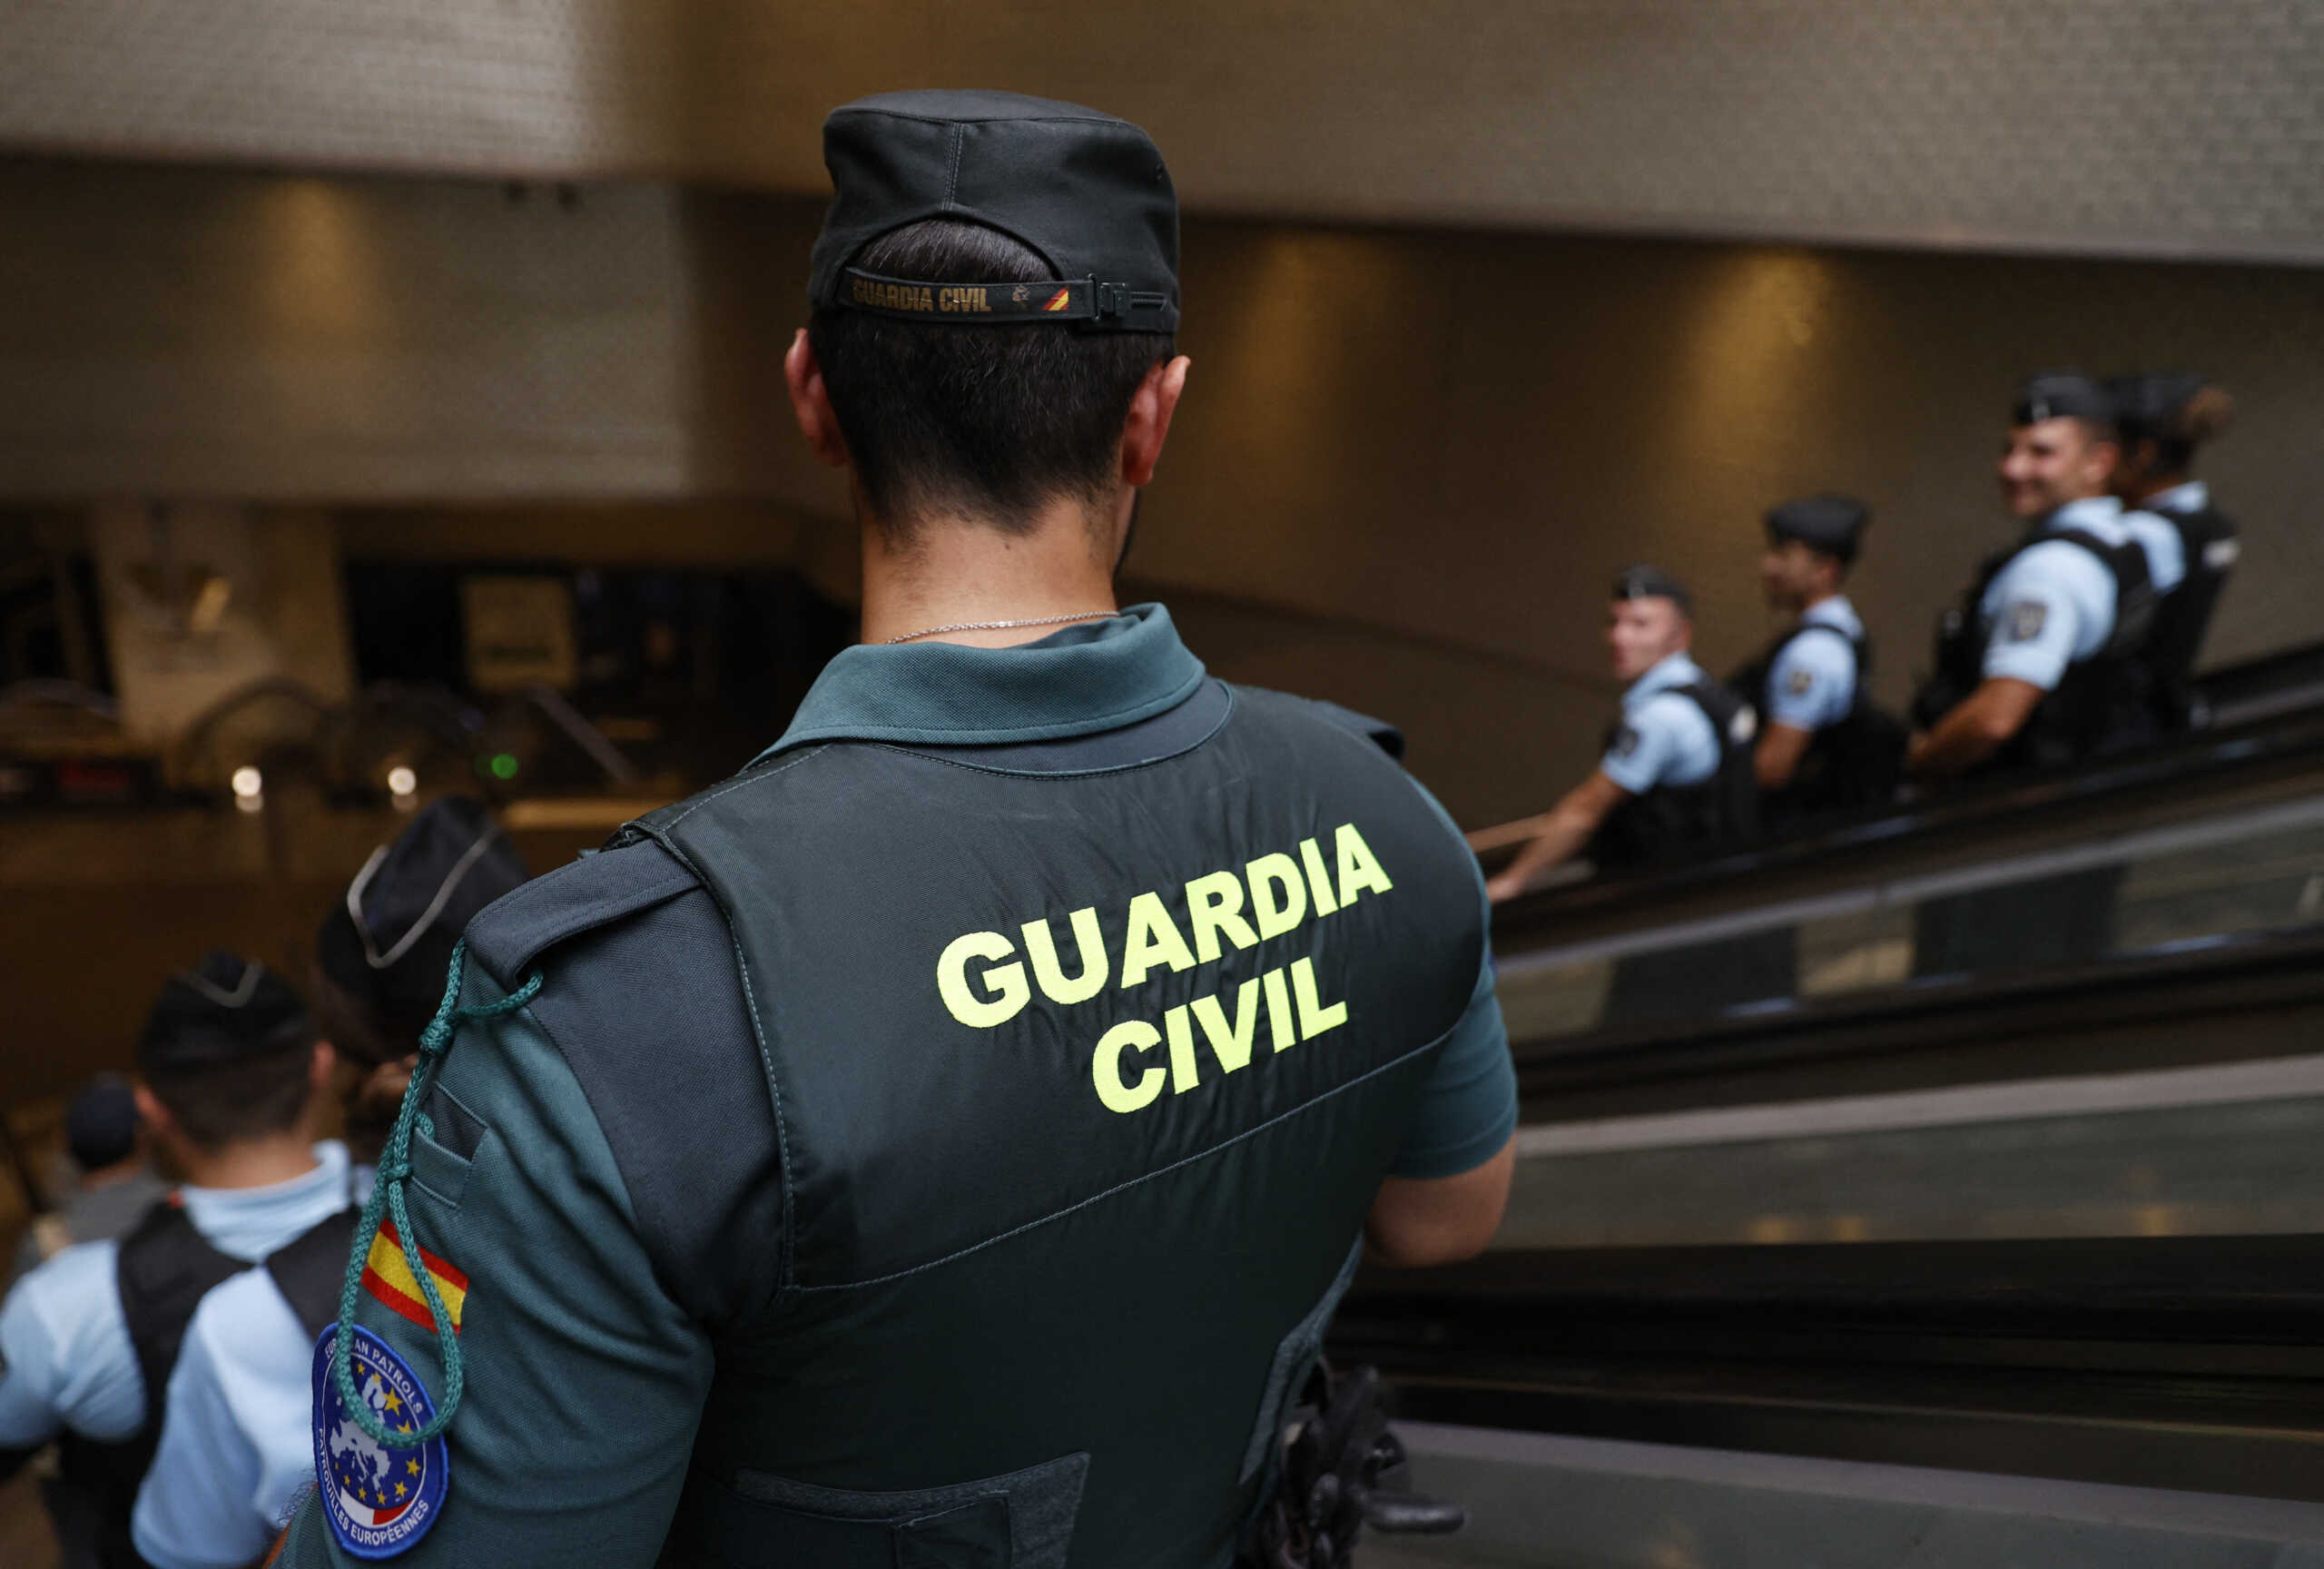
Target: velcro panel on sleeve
592, 891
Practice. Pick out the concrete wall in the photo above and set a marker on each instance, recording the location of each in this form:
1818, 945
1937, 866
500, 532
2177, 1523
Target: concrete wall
2123, 126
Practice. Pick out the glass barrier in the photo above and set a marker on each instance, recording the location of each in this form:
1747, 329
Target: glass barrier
2151, 893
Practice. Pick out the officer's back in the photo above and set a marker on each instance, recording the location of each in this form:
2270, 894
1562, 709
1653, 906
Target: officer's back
232, 1075
2165, 418
943, 1142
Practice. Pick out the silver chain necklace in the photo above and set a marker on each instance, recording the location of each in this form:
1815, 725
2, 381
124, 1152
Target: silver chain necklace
1005, 625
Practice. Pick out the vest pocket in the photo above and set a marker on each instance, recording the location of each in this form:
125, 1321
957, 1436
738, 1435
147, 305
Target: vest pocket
1020, 1521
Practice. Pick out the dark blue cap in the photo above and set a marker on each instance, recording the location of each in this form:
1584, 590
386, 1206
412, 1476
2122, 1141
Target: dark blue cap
2062, 395
1834, 525
388, 942
1089, 192
1644, 582
223, 1010
100, 1123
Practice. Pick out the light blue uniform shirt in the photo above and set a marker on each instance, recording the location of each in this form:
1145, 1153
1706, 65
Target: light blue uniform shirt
2054, 604
2166, 552
1812, 682
2191, 496
1666, 737
68, 1360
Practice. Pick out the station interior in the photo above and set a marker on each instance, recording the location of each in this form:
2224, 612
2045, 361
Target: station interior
391, 406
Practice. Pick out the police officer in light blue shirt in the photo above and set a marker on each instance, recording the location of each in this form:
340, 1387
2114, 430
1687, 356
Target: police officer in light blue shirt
232, 1078
237, 1446
1823, 746
2040, 666
2165, 417
1676, 772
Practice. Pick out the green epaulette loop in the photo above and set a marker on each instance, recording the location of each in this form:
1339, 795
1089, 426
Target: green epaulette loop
386, 1195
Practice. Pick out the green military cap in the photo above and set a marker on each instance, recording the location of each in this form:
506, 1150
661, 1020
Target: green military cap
1086, 191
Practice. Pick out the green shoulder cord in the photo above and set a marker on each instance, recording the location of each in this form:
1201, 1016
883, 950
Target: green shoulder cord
387, 1192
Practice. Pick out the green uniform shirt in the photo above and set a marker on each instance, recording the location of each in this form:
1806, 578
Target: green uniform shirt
602, 1239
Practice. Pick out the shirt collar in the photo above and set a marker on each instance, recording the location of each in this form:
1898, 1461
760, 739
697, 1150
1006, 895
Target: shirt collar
1671, 670
2194, 496
1084, 679
224, 1211
1835, 612
2099, 515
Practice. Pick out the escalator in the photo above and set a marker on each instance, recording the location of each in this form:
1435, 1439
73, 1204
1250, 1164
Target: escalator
1975, 1147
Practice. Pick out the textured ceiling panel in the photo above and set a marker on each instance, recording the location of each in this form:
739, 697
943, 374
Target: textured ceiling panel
2191, 127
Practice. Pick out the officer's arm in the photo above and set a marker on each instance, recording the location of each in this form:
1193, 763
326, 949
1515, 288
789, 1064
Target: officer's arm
1564, 831
1419, 1221
31, 1368
1976, 728
584, 1381
1781, 748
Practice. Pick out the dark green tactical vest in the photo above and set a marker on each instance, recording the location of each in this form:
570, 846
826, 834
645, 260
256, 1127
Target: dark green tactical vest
1085, 1081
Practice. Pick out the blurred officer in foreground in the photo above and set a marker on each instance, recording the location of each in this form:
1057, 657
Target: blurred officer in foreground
231, 1079
1676, 774
2164, 416
944, 1142
114, 1185
2039, 665
237, 1445
1823, 746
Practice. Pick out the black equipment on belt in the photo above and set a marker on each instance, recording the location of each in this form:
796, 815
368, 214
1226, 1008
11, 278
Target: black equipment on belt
1343, 1472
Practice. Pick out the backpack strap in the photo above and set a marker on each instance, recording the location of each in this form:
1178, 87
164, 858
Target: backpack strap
307, 1269
166, 1267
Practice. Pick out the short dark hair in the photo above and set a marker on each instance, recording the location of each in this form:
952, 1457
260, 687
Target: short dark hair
995, 420
221, 1103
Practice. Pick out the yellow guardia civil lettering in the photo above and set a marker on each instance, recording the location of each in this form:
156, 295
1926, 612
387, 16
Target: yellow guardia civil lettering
983, 979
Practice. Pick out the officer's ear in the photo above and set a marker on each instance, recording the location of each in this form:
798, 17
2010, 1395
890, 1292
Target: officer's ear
153, 1117
810, 402
1149, 425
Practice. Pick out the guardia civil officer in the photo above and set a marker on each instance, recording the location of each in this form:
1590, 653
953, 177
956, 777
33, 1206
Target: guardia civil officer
943, 1141
2039, 666
1822, 746
1677, 773
2164, 416
237, 1445
232, 1076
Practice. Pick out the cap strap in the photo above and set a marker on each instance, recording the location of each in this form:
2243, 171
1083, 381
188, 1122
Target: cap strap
967, 304
913, 300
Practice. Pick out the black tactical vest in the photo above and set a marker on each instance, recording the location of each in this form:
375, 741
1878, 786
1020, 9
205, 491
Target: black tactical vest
165, 1268
1088, 1061
1672, 821
2099, 705
2183, 616
1855, 761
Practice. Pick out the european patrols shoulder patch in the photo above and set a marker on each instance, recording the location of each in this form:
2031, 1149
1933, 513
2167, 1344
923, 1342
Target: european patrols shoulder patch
378, 1500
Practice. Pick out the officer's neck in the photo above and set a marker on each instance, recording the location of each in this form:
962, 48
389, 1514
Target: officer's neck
947, 570
247, 1162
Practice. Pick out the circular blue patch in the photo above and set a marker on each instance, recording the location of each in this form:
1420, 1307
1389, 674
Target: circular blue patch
378, 1500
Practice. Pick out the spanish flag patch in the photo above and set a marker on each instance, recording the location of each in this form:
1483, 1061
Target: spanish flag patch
388, 1277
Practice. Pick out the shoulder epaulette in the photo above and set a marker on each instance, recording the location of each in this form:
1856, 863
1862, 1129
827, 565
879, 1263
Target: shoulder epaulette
509, 934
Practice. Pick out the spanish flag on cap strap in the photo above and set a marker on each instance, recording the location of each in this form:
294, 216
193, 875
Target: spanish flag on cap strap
388, 1277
